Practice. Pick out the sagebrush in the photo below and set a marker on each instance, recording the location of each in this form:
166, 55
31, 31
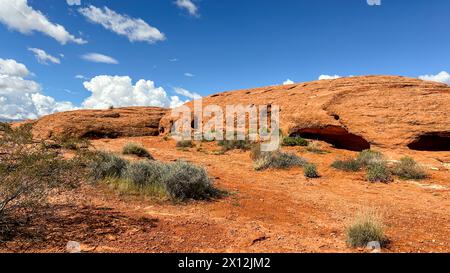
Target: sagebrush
294, 141
366, 227
278, 160
137, 150
408, 168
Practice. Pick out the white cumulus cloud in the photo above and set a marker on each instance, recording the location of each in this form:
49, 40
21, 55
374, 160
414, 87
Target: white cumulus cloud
443, 77
135, 29
374, 2
329, 77
18, 15
73, 2
187, 5
190, 75
99, 58
119, 91
12, 68
43, 57
21, 98
186, 93
287, 82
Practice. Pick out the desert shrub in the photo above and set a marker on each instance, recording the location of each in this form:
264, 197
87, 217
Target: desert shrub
185, 144
408, 168
186, 181
365, 228
71, 143
228, 145
145, 172
136, 149
315, 148
125, 186
106, 164
294, 141
348, 165
310, 171
368, 157
21, 135
29, 173
5, 127
278, 160
378, 172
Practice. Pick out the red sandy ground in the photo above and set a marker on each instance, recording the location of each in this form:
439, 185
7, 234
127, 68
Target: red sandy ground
269, 211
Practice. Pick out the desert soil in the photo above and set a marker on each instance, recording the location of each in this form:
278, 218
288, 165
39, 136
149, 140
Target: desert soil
269, 211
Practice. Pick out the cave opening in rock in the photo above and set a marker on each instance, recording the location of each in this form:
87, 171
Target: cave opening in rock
339, 137
100, 135
436, 141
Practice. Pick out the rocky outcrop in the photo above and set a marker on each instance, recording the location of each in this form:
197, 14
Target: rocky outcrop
112, 123
355, 113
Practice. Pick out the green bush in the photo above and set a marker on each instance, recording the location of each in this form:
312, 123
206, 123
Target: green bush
315, 148
278, 160
294, 141
379, 172
228, 145
144, 172
105, 164
348, 165
366, 227
408, 168
5, 127
72, 143
179, 181
185, 144
186, 181
310, 171
28, 174
136, 149
368, 157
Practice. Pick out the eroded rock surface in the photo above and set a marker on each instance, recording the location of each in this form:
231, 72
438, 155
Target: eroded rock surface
355, 113
112, 123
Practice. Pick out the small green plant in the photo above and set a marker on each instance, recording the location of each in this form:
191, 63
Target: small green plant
378, 172
278, 160
185, 144
72, 143
408, 168
294, 141
315, 148
136, 149
144, 172
365, 228
105, 164
186, 181
228, 145
368, 157
310, 171
348, 165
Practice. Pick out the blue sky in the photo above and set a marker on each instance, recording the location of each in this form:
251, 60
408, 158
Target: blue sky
229, 44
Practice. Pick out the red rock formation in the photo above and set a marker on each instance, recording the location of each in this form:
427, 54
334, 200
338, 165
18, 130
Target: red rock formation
121, 122
355, 113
